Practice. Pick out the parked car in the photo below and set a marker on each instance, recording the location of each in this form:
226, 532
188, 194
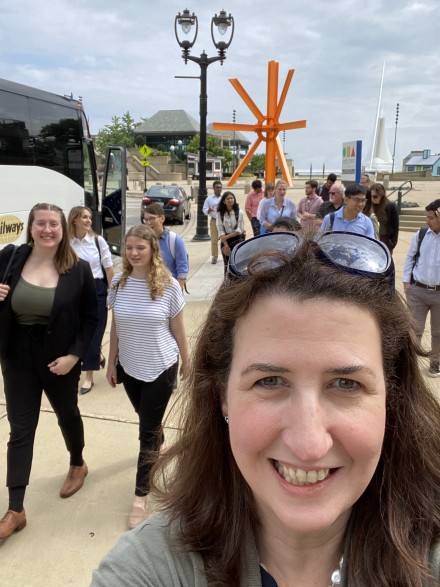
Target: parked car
175, 201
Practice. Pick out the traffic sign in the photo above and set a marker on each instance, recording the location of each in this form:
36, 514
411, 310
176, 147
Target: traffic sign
145, 163
145, 151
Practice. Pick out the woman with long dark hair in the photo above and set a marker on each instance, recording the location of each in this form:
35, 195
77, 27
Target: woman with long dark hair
295, 467
386, 214
48, 314
230, 225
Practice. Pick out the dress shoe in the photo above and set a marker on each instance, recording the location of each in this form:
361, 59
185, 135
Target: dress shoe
138, 511
12, 522
214, 260
84, 390
74, 480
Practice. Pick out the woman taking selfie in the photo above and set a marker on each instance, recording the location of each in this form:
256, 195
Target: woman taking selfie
146, 337
48, 313
93, 249
296, 467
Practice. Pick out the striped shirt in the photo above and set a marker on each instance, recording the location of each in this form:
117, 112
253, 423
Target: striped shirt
146, 346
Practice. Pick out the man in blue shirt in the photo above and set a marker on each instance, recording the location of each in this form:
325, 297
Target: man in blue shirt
349, 218
171, 244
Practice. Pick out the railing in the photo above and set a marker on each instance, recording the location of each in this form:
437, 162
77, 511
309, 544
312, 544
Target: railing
402, 190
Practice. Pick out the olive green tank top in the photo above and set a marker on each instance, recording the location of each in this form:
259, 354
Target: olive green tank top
32, 304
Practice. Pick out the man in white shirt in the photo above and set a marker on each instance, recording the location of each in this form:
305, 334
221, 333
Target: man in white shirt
210, 209
421, 280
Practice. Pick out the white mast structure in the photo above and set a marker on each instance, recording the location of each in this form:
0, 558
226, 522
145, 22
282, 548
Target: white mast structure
380, 158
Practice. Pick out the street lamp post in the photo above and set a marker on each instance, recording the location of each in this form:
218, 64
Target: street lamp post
188, 25
173, 159
395, 136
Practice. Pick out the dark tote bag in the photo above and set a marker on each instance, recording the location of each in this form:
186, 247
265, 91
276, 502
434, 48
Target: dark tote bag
233, 242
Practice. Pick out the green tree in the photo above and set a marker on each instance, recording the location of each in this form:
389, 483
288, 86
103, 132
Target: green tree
118, 132
257, 163
213, 148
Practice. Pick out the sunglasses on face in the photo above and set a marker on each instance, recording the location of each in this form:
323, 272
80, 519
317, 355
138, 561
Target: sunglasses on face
354, 253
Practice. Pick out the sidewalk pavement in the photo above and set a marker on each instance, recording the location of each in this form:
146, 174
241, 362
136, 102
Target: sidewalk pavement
66, 538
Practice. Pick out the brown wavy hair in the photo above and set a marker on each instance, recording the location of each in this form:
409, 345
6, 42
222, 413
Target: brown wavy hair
65, 257
158, 275
370, 206
197, 481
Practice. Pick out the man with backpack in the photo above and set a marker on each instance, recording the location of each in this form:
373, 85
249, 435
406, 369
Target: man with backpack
421, 280
171, 244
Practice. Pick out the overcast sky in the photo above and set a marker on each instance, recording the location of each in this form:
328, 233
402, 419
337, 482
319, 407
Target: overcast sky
123, 56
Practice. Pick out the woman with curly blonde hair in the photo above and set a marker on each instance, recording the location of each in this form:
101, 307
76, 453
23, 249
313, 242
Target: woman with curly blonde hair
147, 335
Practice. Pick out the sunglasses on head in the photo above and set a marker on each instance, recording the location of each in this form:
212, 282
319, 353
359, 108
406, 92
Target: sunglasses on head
354, 253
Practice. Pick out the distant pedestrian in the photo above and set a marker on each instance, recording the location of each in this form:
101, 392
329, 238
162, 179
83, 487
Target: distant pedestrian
276, 206
210, 210
95, 250
349, 218
252, 202
308, 206
335, 202
421, 280
365, 181
171, 244
324, 190
146, 337
269, 189
386, 214
230, 225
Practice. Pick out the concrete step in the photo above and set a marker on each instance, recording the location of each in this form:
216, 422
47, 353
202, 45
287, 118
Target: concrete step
413, 212
411, 219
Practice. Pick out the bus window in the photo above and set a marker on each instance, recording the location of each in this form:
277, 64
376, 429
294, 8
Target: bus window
15, 137
57, 135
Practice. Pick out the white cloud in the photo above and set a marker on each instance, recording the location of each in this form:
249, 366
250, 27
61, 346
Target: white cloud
124, 56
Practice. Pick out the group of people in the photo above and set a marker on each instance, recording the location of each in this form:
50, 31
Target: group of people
290, 466
54, 295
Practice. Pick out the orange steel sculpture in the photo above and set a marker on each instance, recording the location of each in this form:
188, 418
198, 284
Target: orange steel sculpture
267, 127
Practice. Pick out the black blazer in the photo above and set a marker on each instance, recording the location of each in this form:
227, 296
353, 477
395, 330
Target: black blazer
393, 222
74, 316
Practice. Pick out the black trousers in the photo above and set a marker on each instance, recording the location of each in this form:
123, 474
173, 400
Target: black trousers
149, 400
25, 376
93, 355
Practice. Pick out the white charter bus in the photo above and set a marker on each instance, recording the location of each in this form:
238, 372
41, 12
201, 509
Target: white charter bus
47, 155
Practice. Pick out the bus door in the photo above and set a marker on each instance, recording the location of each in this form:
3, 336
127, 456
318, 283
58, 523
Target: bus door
114, 189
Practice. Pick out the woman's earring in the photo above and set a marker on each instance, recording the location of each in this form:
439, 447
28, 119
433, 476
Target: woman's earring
226, 420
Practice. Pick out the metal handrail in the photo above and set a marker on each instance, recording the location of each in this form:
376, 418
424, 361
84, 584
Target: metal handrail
401, 191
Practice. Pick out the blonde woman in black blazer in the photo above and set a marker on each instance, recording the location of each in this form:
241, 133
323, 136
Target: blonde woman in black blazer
48, 313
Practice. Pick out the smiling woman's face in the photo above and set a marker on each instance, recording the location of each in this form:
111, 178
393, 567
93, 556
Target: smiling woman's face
306, 405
